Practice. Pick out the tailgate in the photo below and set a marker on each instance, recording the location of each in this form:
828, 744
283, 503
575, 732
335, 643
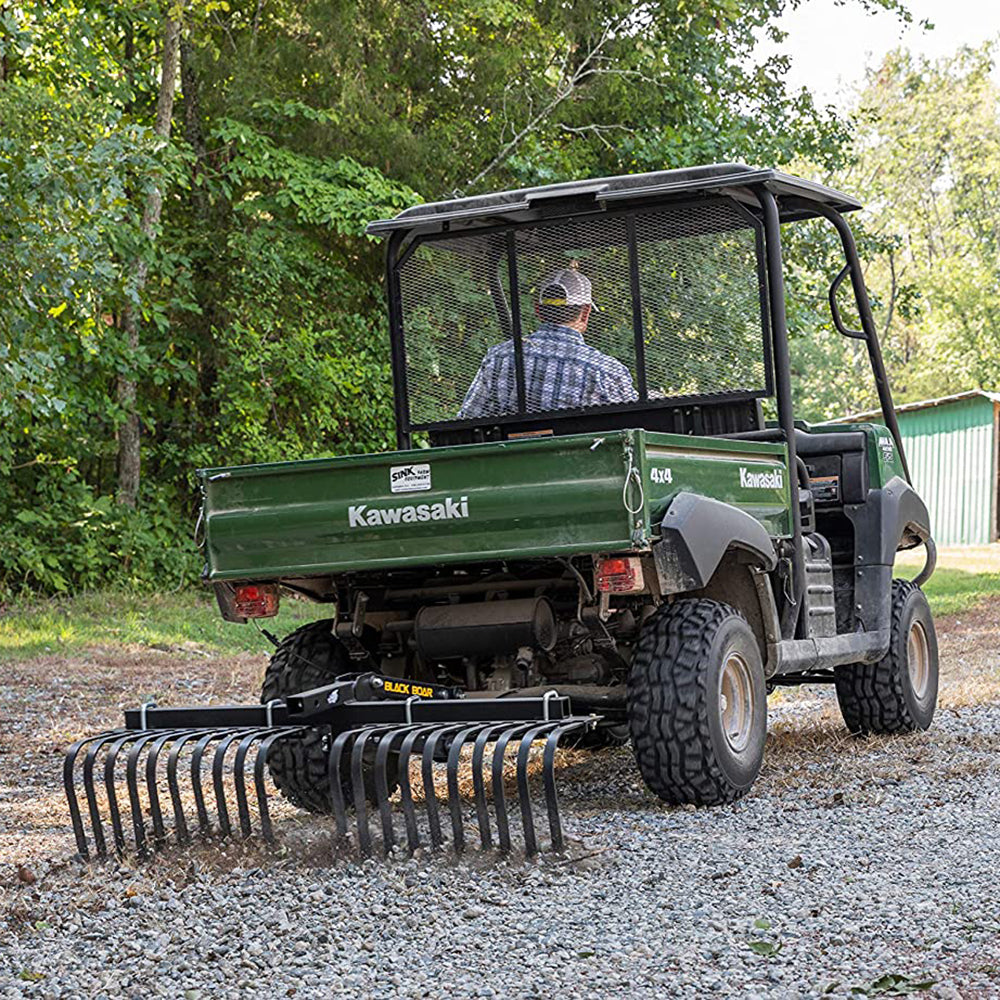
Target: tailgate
529, 498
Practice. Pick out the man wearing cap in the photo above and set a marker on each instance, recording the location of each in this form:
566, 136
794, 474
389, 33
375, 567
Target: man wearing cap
561, 371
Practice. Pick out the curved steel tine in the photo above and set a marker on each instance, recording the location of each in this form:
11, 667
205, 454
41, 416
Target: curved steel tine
132, 783
180, 824
91, 791
240, 781
218, 779
549, 778
258, 779
152, 759
523, 790
454, 798
199, 792
109, 784
479, 782
358, 784
382, 784
405, 792
336, 785
69, 766
427, 772
499, 800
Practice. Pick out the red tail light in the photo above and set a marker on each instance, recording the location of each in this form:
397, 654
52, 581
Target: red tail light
620, 575
256, 600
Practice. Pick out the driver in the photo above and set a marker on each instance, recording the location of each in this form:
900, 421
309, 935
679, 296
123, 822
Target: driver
561, 371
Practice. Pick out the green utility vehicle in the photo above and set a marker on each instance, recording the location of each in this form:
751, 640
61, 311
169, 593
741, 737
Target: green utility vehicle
664, 558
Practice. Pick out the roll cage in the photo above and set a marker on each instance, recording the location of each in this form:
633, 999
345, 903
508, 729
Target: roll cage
502, 228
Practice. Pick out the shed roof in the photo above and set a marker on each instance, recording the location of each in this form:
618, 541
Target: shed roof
924, 404
525, 203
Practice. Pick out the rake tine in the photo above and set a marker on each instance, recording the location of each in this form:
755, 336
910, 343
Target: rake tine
358, 786
427, 771
239, 779
132, 783
88, 786
454, 800
258, 778
69, 765
405, 792
109, 784
479, 784
180, 824
336, 786
549, 777
218, 776
199, 792
152, 759
382, 785
523, 790
499, 801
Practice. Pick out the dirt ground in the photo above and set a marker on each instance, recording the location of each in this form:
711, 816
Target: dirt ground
50, 701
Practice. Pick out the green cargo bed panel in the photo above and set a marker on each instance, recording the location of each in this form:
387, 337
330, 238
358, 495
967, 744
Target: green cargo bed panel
517, 499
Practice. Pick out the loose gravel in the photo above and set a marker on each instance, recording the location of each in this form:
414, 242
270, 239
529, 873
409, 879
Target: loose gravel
865, 865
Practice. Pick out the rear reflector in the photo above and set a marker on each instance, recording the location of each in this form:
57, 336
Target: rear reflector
620, 575
256, 600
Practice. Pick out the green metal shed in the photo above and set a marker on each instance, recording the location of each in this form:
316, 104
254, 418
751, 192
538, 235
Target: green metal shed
953, 447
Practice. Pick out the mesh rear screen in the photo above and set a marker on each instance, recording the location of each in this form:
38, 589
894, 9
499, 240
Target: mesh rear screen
700, 300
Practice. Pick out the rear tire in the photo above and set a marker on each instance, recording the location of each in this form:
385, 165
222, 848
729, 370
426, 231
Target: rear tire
309, 658
899, 693
698, 703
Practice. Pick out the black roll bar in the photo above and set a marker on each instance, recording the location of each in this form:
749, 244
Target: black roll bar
400, 395
867, 332
783, 393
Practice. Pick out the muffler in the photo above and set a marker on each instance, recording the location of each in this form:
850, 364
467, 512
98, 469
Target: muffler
450, 631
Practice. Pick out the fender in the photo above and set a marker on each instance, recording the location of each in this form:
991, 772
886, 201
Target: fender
696, 532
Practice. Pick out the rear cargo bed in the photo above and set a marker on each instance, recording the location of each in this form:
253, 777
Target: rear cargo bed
474, 503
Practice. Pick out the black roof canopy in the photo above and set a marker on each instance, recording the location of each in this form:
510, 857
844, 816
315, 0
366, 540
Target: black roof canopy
526, 204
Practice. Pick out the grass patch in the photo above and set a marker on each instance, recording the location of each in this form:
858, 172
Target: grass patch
186, 621
964, 577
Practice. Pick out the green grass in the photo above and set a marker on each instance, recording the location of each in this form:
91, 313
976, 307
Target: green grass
964, 577
176, 621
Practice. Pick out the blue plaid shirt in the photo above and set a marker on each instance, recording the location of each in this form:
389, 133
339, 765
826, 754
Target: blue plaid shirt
561, 371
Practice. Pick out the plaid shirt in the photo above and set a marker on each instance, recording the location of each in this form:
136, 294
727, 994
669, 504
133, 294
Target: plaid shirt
560, 372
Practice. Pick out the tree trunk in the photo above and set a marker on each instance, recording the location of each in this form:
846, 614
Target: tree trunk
129, 463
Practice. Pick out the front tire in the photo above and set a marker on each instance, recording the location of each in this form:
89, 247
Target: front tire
698, 703
899, 693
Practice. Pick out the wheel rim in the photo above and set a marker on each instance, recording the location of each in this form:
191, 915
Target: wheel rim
736, 701
918, 659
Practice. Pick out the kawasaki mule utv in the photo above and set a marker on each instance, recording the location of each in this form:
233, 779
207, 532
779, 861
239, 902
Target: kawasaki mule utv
648, 566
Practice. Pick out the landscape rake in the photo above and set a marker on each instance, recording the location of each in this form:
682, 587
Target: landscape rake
378, 732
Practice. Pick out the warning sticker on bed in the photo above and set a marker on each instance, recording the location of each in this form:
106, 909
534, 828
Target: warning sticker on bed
410, 478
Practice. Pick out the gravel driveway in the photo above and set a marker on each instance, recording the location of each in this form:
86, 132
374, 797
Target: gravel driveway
867, 865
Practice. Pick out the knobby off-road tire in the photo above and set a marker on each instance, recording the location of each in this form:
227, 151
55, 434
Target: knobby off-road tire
309, 658
899, 693
697, 738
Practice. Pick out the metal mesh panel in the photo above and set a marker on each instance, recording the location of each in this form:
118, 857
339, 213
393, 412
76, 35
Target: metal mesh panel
456, 300
597, 249
701, 305
701, 311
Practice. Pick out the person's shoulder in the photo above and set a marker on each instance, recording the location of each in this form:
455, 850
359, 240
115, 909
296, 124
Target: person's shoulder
497, 351
607, 363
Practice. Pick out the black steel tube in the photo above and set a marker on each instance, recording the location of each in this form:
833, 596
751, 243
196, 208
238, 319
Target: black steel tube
636, 291
867, 324
398, 350
515, 322
783, 392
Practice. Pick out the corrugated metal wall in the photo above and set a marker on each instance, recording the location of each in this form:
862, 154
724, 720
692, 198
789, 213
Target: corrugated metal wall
952, 453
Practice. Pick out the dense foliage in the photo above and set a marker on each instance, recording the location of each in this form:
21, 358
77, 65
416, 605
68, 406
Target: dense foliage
254, 297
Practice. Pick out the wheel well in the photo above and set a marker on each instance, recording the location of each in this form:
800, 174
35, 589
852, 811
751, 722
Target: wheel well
732, 583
